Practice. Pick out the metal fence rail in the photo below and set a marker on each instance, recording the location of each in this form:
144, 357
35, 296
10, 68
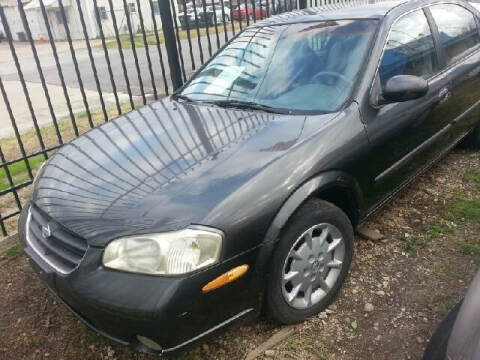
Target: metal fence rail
97, 59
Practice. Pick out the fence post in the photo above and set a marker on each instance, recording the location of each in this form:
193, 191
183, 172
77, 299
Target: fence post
302, 4
166, 15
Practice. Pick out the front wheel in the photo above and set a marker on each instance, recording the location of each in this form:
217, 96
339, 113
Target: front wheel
310, 263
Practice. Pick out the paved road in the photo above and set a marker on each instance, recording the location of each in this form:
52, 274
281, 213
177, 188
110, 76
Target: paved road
8, 71
10, 76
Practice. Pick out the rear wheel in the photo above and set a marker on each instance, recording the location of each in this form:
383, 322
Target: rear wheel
310, 263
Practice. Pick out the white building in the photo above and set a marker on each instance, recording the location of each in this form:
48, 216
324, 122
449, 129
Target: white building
10, 8
55, 19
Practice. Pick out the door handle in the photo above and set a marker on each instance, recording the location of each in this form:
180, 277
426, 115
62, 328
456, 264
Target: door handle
443, 95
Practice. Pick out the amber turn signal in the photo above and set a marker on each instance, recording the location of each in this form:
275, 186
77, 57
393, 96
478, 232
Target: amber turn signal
226, 278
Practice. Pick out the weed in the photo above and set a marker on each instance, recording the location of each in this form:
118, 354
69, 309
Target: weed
11, 253
415, 242
436, 230
472, 176
469, 246
92, 338
86, 337
432, 232
291, 346
443, 304
18, 171
152, 40
449, 269
468, 209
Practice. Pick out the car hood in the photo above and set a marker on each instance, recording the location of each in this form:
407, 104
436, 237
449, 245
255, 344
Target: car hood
160, 168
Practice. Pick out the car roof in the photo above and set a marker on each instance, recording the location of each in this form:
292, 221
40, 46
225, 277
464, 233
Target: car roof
347, 10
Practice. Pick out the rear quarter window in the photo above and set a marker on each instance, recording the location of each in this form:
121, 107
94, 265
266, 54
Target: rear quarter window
458, 30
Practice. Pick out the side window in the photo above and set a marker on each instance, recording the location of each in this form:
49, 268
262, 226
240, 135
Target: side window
458, 30
410, 49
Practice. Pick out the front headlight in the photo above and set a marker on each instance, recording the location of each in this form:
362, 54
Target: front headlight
170, 253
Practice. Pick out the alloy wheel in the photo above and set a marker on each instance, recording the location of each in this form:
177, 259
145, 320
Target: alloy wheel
313, 266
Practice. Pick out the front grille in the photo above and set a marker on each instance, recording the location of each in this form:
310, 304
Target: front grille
60, 248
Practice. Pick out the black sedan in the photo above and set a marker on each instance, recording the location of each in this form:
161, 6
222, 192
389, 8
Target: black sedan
242, 190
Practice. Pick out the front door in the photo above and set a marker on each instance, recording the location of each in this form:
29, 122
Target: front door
406, 136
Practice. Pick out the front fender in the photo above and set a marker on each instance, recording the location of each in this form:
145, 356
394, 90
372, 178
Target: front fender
319, 183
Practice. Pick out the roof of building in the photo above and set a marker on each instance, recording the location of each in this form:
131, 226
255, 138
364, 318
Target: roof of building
12, 2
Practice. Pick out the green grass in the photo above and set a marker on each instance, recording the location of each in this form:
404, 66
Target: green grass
182, 34
473, 176
468, 209
11, 253
92, 338
438, 230
18, 171
470, 246
415, 242
465, 205
308, 343
433, 231
85, 336
291, 346
443, 303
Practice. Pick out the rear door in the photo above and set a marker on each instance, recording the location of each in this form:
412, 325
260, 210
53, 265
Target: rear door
406, 136
459, 40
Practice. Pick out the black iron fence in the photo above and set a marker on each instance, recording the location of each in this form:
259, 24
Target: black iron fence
83, 62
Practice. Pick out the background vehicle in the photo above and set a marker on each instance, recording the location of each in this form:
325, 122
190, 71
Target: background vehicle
215, 10
254, 10
458, 335
205, 15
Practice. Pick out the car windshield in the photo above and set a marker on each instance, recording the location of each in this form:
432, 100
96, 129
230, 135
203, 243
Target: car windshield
301, 67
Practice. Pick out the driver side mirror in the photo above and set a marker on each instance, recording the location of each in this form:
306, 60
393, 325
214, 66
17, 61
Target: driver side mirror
402, 88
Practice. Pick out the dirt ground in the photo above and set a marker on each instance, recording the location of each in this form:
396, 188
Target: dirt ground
398, 290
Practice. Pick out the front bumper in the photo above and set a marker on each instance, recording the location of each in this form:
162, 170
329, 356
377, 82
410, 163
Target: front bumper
173, 311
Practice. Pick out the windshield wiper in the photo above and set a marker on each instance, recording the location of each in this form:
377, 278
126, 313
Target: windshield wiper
181, 97
250, 105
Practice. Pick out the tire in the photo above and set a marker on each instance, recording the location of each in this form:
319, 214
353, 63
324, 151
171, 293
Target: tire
437, 345
320, 276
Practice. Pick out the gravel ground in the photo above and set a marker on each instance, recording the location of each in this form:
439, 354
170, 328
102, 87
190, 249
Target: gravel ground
398, 290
